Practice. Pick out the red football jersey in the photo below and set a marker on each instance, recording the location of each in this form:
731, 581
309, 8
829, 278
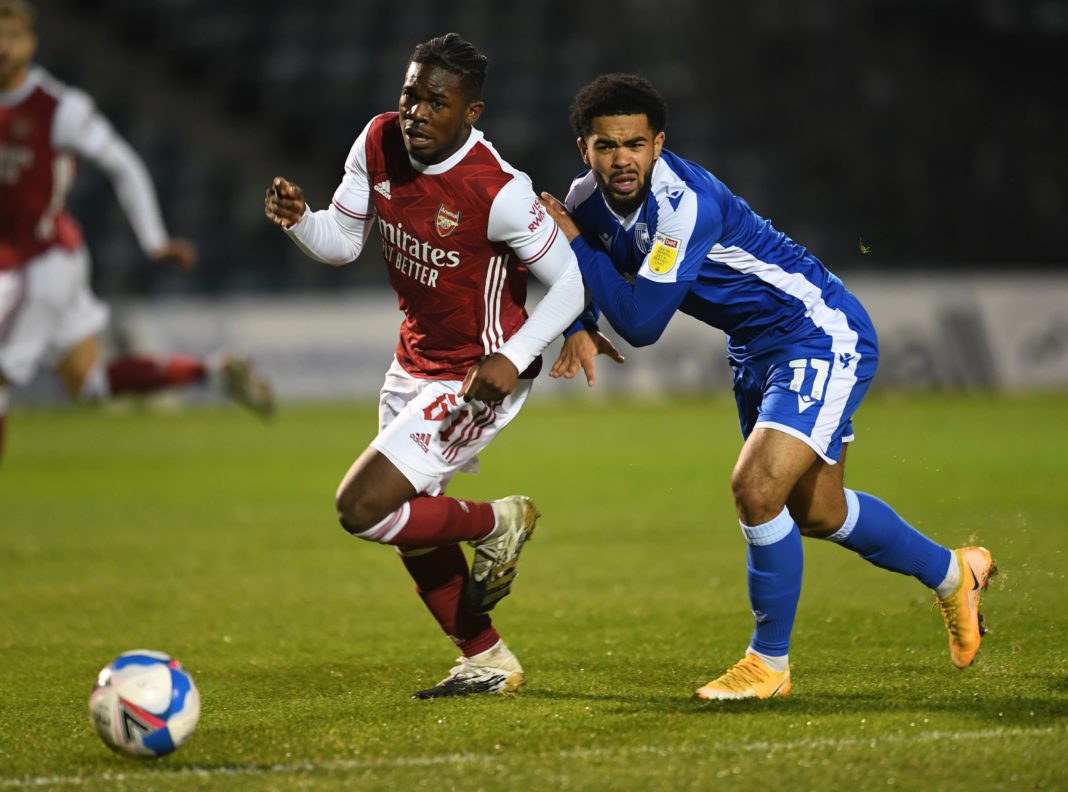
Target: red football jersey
34, 180
462, 294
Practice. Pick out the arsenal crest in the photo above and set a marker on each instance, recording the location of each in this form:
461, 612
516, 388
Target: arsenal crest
446, 221
21, 128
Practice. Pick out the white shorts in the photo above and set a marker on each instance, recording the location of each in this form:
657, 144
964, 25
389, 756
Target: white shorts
430, 434
46, 308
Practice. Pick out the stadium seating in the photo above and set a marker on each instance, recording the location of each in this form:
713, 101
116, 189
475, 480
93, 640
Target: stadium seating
840, 123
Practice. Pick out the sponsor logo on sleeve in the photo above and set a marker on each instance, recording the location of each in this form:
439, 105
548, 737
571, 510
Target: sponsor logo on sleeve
663, 255
537, 211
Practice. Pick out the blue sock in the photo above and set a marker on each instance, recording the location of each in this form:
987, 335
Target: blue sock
775, 562
874, 531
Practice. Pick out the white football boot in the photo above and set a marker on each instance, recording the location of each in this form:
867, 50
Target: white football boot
494, 671
494, 566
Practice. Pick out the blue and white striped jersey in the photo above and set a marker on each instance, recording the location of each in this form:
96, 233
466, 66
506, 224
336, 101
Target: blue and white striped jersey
731, 268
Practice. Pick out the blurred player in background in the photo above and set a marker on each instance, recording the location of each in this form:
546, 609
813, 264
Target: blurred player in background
460, 228
47, 309
659, 235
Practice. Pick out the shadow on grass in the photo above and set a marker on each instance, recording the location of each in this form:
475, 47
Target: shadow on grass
987, 710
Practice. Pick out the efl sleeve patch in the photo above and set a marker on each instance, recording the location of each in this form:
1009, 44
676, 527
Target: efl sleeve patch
663, 255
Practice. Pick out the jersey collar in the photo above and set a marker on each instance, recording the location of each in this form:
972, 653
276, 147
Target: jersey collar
33, 79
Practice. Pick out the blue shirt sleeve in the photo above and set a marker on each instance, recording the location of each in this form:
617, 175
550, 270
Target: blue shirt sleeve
639, 312
587, 320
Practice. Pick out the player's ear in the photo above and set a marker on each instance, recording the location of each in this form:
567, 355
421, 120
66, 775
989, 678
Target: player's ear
473, 111
582, 150
658, 143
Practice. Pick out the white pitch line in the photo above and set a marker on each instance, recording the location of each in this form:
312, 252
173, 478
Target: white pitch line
471, 758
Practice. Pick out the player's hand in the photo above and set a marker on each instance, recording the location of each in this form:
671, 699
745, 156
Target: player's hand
560, 214
180, 252
579, 351
284, 204
490, 380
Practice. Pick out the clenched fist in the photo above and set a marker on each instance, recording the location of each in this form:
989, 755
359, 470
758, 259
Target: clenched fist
284, 204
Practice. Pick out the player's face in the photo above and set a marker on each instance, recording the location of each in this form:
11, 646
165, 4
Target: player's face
17, 45
436, 114
621, 151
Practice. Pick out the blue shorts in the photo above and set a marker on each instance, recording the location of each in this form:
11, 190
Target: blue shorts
809, 390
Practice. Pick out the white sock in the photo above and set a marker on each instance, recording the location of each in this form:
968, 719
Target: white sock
779, 664
945, 588
485, 653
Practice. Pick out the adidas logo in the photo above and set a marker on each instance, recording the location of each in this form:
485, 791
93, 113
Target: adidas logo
422, 439
382, 188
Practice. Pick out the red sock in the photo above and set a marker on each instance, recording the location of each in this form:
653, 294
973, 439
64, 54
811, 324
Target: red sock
141, 374
438, 520
439, 578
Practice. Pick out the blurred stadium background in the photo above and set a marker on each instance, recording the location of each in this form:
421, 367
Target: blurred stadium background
931, 133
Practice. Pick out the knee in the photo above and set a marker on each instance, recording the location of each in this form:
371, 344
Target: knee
354, 512
817, 526
818, 519
755, 496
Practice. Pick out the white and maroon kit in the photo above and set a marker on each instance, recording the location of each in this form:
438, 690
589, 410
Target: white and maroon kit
459, 238
46, 305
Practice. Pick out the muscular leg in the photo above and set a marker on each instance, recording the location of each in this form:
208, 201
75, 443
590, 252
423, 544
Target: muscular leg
817, 502
376, 501
86, 378
866, 525
768, 468
371, 489
77, 364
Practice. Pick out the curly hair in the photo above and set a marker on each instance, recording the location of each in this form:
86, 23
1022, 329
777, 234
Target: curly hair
617, 94
453, 54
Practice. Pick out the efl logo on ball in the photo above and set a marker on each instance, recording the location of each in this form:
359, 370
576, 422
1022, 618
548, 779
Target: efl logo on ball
144, 704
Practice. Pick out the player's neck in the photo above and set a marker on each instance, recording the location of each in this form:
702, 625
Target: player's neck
15, 80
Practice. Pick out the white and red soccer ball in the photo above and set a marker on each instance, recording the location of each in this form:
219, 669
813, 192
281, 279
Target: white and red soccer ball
144, 704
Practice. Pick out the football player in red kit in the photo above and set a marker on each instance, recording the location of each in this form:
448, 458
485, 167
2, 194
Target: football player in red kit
460, 229
47, 309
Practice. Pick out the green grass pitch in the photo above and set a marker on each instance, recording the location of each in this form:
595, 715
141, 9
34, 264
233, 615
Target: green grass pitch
211, 536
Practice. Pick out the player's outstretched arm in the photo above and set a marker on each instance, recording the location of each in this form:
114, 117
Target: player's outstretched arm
180, 252
328, 235
284, 204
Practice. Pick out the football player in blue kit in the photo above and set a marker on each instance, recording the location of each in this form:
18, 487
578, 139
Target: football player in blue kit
654, 235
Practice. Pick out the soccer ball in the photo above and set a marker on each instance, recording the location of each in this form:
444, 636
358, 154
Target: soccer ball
144, 704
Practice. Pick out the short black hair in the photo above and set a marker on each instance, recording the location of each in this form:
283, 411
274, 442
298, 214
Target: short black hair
452, 53
617, 94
